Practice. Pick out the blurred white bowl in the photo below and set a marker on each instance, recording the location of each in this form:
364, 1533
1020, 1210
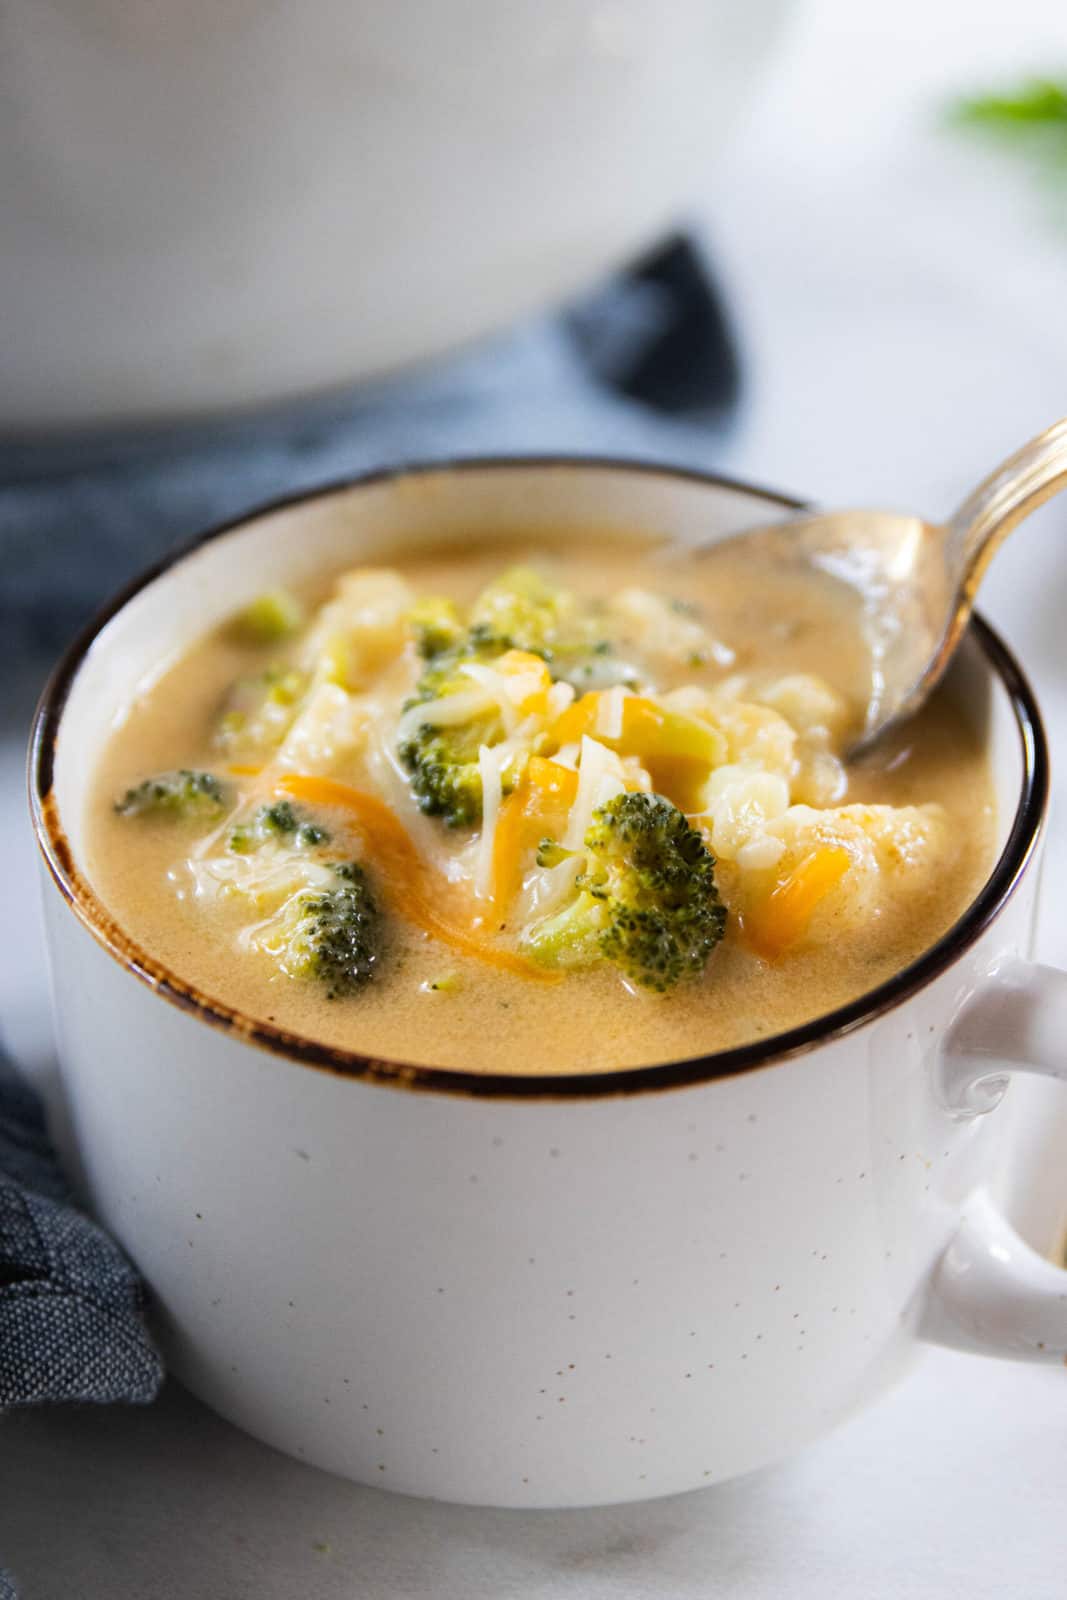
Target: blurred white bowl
222, 202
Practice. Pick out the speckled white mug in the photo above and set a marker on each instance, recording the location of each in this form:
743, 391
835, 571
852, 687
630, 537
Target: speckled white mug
530, 1291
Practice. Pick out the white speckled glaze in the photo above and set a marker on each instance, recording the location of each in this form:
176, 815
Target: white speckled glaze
562, 1297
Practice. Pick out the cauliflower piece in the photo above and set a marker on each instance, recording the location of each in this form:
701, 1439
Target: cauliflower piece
755, 735
361, 630
904, 837
820, 778
741, 802
666, 630
765, 738
760, 853
821, 719
808, 704
869, 861
331, 727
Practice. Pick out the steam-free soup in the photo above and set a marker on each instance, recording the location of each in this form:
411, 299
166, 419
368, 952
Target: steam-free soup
534, 808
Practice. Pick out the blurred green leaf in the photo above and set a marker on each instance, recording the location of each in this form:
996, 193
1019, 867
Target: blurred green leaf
1029, 124
1037, 106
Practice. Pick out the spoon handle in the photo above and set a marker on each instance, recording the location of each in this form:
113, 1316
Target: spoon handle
1025, 481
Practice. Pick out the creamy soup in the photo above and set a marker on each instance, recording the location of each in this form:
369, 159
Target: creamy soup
534, 808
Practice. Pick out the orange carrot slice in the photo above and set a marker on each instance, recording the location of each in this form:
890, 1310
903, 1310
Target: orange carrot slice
784, 917
536, 807
677, 750
412, 889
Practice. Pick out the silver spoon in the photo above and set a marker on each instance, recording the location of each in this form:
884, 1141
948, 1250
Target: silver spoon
916, 581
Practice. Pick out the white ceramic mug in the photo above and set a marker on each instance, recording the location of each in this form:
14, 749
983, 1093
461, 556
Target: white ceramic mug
544, 1291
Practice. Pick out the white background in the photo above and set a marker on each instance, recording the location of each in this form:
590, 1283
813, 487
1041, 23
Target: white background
902, 298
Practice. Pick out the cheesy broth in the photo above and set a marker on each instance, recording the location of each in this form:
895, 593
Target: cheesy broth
900, 879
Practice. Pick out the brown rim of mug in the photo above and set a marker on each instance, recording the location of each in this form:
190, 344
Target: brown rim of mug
987, 905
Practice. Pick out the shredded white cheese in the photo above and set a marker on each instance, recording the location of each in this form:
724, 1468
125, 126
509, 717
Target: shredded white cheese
446, 712
600, 779
491, 763
559, 698
609, 712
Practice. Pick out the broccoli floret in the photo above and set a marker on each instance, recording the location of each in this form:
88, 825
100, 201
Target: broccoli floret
268, 619
443, 759
180, 794
436, 625
445, 779
520, 611
334, 936
442, 673
645, 899
282, 820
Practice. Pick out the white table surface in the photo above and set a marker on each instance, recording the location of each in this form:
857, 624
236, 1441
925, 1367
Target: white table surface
905, 323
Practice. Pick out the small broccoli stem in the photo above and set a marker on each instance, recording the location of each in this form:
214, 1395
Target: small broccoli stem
572, 937
182, 794
550, 853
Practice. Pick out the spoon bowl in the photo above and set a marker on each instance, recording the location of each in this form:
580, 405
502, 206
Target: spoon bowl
913, 582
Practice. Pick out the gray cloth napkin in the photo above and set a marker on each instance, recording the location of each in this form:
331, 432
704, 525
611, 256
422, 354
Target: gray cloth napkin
643, 367
70, 1303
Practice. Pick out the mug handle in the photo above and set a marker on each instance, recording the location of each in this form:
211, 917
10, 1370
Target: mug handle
991, 1293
